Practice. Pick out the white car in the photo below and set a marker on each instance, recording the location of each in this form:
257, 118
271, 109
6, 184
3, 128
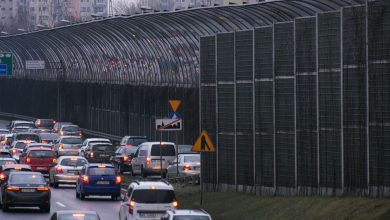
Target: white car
188, 165
186, 215
147, 201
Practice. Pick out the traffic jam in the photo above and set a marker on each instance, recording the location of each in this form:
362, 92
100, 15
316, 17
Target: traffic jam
39, 157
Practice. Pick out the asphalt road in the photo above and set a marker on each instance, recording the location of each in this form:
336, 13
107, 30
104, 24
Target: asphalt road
64, 198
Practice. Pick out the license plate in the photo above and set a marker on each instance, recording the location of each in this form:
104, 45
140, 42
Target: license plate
73, 171
41, 168
104, 155
149, 215
28, 190
103, 182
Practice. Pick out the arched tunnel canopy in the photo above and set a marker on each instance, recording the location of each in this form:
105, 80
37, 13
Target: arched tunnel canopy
148, 49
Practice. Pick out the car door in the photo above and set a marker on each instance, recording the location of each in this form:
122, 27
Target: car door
136, 166
125, 203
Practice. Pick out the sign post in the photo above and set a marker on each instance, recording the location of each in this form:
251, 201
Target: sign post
6, 64
203, 145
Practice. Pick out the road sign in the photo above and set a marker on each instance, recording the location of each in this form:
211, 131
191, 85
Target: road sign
174, 104
6, 66
35, 64
174, 116
203, 144
169, 124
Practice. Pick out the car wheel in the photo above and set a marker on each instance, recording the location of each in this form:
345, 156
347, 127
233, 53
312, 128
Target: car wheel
132, 172
55, 184
82, 196
45, 208
120, 171
164, 176
114, 197
143, 174
77, 193
5, 207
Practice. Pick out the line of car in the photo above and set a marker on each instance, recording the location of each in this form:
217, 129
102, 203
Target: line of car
56, 150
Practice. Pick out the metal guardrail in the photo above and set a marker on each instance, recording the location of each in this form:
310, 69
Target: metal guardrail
85, 131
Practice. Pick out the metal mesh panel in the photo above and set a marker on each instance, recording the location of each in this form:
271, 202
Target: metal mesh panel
226, 108
244, 107
306, 101
284, 104
208, 107
379, 81
264, 106
329, 79
354, 98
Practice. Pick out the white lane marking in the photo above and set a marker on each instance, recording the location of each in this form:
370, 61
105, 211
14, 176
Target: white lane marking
60, 204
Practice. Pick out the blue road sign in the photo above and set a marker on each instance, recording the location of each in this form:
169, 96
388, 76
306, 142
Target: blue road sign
174, 116
3, 69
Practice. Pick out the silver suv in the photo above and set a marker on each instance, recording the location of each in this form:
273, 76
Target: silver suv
147, 159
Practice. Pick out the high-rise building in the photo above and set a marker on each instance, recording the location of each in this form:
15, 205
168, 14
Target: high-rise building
41, 13
8, 14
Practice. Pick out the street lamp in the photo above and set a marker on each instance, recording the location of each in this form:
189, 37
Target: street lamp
21, 30
4, 33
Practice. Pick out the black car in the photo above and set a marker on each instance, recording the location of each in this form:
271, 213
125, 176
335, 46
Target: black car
25, 189
45, 123
75, 214
99, 153
122, 158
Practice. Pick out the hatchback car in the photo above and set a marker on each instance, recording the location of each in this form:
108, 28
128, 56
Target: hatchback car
99, 153
20, 129
123, 157
147, 200
89, 141
6, 169
67, 170
19, 123
25, 189
186, 215
40, 159
17, 148
75, 215
7, 161
32, 145
68, 146
48, 138
70, 130
45, 123
98, 179
187, 165
147, 160
57, 126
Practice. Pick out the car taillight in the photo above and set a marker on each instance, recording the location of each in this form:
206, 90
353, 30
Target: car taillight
128, 145
45, 142
59, 170
131, 206
62, 133
126, 158
91, 155
54, 160
118, 180
81, 134
13, 151
60, 146
186, 168
148, 160
11, 188
43, 189
85, 179
175, 204
28, 160
2, 176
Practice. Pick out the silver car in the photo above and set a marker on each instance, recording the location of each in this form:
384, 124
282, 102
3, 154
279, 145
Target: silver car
89, 141
67, 170
68, 146
187, 165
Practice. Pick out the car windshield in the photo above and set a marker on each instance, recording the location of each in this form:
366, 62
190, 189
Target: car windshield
77, 216
31, 137
190, 217
73, 140
97, 171
73, 162
136, 141
189, 159
27, 179
41, 154
5, 155
71, 128
7, 162
20, 145
103, 148
18, 130
166, 150
131, 150
153, 196
30, 125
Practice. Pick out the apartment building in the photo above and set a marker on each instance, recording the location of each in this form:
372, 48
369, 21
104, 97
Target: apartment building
8, 14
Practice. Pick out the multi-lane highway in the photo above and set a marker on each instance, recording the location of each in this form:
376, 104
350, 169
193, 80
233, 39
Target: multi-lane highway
64, 198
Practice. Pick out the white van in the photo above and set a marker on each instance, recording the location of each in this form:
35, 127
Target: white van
147, 200
147, 159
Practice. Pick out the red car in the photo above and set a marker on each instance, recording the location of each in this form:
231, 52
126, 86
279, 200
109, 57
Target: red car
40, 159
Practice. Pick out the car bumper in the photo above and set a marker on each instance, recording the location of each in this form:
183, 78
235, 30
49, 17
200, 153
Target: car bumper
101, 190
99, 160
42, 169
68, 153
26, 199
61, 178
154, 170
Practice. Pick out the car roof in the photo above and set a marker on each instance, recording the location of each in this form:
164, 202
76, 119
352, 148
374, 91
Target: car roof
97, 139
38, 144
189, 212
148, 184
26, 172
3, 129
67, 157
7, 158
75, 211
24, 127
71, 125
157, 143
4, 150
99, 164
38, 148
24, 133
22, 121
100, 143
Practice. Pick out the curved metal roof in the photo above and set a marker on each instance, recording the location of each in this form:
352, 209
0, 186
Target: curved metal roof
148, 49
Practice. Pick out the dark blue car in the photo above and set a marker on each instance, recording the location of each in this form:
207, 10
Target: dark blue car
98, 179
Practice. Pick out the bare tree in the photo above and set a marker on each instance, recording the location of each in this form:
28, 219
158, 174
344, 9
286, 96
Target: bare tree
125, 7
